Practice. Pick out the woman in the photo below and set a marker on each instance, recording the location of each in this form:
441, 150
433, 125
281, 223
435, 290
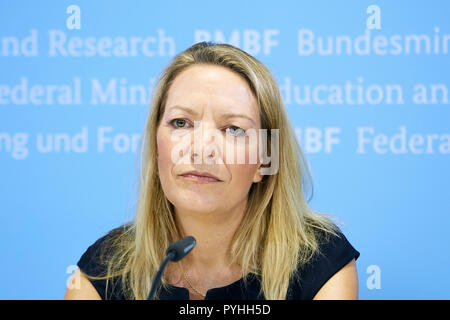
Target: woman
256, 236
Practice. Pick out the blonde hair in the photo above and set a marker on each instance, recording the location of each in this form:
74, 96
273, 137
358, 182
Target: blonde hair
278, 232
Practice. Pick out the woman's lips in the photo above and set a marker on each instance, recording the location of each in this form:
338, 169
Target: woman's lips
196, 178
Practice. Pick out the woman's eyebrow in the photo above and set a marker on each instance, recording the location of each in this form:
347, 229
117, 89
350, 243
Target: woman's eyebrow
224, 116
186, 109
237, 115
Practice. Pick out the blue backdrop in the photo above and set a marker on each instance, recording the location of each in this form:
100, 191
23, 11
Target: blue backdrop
366, 89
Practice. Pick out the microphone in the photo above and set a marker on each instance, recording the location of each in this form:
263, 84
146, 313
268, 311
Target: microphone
175, 252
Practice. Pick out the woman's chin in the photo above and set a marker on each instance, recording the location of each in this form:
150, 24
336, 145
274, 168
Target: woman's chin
196, 208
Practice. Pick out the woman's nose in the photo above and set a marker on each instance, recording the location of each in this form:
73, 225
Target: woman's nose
206, 143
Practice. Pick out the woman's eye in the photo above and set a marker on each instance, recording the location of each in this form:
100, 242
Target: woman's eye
178, 123
182, 123
236, 131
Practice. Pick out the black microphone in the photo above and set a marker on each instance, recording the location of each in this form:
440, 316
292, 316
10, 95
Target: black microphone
175, 252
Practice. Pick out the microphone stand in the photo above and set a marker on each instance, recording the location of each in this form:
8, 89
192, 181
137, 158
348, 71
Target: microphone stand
157, 279
175, 252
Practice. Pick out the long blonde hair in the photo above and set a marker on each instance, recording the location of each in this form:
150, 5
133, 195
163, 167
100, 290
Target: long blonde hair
278, 231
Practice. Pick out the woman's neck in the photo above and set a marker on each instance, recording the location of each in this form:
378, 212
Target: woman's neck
213, 232
208, 265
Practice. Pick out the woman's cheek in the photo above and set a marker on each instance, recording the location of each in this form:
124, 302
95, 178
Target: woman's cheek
242, 176
164, 154
240, 151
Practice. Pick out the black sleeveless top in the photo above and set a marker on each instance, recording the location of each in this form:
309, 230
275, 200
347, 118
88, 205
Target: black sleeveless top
334, 254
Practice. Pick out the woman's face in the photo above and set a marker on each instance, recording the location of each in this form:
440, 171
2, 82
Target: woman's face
196, 133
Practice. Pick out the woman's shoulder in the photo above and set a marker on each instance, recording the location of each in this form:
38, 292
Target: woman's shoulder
334, 252
93, 262
97, 249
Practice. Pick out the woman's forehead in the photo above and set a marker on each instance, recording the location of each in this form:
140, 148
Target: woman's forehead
213, 87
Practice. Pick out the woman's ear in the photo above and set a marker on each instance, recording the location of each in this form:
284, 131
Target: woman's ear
258, 176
